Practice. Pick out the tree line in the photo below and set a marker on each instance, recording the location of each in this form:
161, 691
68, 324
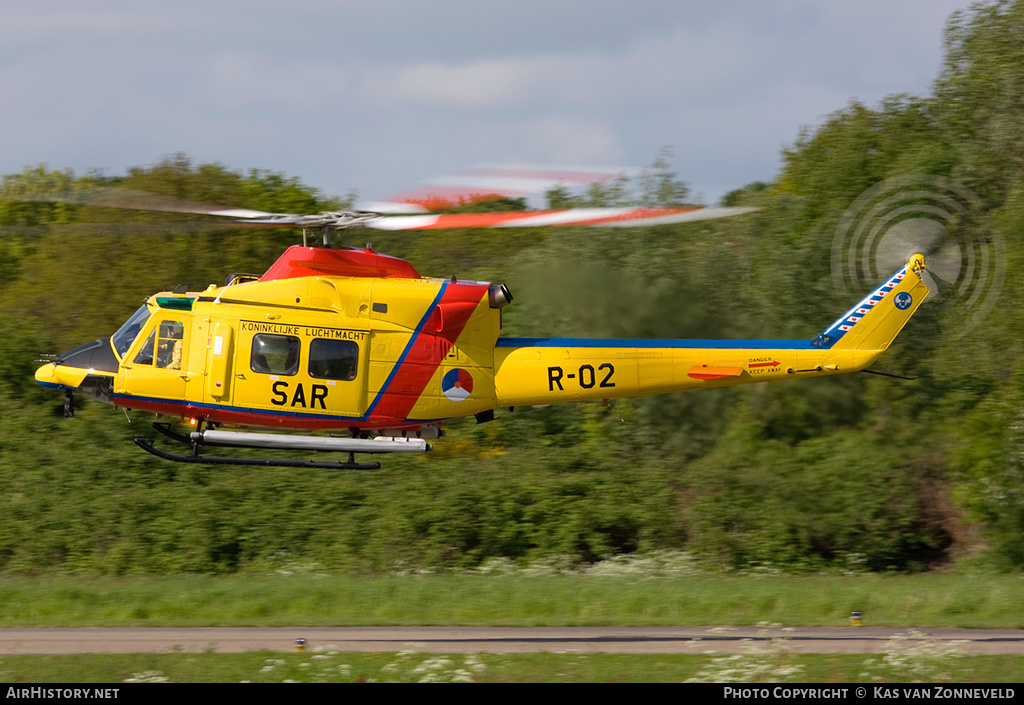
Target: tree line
852, 472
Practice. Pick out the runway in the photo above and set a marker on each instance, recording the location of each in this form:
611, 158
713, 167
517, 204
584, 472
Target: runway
459, 640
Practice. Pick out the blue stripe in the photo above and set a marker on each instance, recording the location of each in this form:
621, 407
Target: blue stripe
653, 343
408, 347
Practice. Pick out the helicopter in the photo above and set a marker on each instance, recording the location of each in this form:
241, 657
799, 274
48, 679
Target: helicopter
358, 346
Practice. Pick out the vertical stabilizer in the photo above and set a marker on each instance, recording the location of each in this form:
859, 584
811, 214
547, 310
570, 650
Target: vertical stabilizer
879, 317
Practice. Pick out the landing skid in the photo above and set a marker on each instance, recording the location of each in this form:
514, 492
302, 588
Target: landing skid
195, 458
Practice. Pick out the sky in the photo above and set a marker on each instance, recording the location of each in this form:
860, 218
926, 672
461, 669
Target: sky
374, 96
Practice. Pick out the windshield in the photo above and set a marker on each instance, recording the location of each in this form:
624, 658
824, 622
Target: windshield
125, 335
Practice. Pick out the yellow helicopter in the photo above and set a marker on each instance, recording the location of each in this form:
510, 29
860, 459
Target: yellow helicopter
358, 345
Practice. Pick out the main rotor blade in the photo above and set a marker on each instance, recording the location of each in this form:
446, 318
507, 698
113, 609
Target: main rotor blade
130, 199
182, 227
117, 197
594, 217
489, 182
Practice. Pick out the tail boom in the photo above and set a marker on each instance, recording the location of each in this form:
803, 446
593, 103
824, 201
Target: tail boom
552, 370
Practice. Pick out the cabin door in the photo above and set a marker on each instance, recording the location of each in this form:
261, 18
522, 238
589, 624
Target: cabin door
220, 379
155, 366
304, 371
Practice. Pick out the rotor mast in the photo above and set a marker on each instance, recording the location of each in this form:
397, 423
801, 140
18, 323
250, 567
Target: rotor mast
327, 221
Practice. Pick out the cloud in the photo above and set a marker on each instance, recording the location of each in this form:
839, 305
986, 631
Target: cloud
373, 94
475, 84
570, 139
245, 78
673, 66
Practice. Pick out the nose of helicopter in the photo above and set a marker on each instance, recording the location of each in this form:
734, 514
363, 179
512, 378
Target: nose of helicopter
47, 376
80, 368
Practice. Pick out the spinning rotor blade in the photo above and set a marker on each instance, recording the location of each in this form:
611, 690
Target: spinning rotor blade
121, 229
491, 182
129, 199
114, 197
931, 238
934, 216
595, 217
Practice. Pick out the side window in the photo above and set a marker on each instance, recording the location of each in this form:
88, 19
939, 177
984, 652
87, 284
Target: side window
275, 354
168, 348
333, 359
165, 342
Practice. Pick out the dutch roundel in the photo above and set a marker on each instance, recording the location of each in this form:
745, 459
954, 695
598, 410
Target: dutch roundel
457, 384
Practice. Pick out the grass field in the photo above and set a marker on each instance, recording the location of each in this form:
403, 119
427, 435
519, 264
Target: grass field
920, 601
331, 667
925, 600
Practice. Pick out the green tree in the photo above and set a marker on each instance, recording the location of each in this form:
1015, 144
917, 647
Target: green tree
660, 186
990, 461
657, 186
980, 94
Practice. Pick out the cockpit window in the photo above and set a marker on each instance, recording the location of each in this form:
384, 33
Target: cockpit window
125, 335
145, 355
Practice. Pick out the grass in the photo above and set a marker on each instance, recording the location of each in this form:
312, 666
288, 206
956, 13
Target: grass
516, 599
486, 668
926, 600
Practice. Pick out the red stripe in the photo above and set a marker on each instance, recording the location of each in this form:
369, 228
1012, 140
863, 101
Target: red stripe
478, 220
435, 198
490, 220
638, 214
429, 348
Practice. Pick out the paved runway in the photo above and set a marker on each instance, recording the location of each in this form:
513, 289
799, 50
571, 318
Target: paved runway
635, 640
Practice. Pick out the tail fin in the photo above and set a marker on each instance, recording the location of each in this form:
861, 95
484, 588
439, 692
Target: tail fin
879, 317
